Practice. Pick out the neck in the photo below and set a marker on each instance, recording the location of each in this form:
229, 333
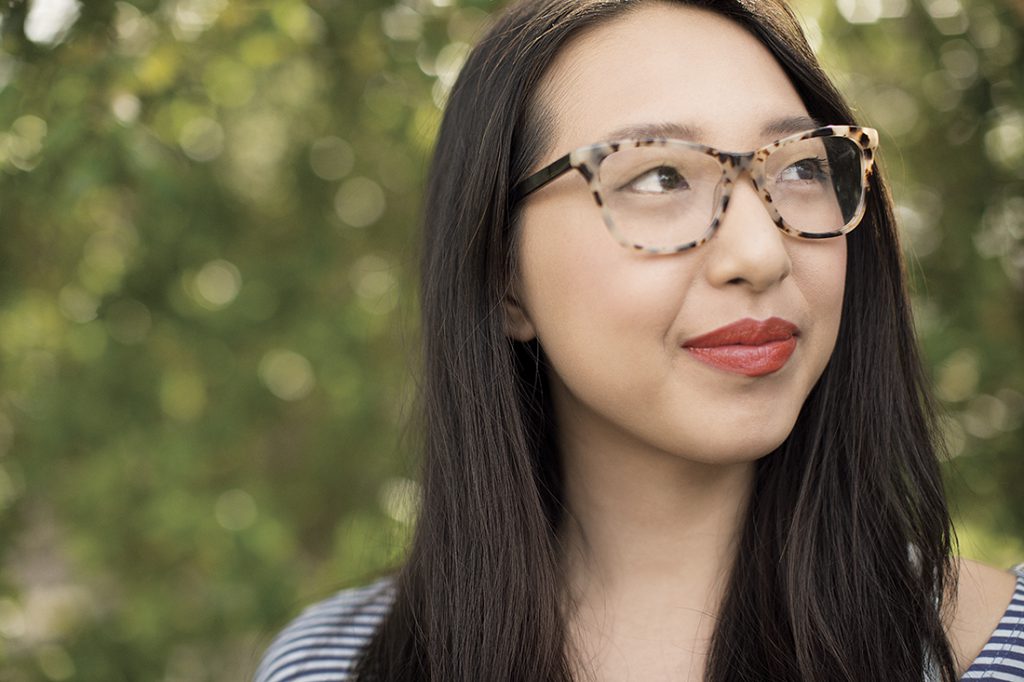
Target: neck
651, 521
648, 525
648, 543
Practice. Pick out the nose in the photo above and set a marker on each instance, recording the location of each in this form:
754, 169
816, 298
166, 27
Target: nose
747, 249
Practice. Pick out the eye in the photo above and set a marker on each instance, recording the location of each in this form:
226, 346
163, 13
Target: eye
805, 170
660, 180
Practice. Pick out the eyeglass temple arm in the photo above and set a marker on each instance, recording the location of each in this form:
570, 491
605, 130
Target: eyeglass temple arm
541, 178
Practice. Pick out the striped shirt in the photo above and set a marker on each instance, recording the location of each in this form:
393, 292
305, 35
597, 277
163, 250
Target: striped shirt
324, 642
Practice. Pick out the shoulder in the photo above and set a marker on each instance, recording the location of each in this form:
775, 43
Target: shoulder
325, 640
988, 614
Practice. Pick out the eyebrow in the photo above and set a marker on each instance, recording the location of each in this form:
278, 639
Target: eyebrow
788, 125
775, 128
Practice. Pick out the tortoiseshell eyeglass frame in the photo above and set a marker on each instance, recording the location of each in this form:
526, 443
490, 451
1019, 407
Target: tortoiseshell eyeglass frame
588, 159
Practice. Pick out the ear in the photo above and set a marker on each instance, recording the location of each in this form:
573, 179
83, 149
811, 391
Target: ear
517, 321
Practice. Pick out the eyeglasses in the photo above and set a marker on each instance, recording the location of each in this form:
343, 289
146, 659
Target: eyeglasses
665, 196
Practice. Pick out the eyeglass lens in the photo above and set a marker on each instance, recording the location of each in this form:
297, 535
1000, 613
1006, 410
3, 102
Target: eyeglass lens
666, 195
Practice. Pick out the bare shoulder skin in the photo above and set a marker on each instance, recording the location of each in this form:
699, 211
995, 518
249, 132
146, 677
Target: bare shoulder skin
983, 594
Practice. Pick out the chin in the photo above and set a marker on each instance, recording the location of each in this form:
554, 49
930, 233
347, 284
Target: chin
738, 455
735, 444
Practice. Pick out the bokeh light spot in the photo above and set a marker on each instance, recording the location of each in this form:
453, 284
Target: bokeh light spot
21, 147
1004, 141
217, 284
958, 376
125, 107
447, 66
255, 168
286, 374
235, 510
190, 18
948, 16
960, 60
402, 22
77, 304
135, 31
400, 499
985, 31
298, 22
360, 202
1002, 228
375, 283
923, 237
953, 436
29, 127
49, 21
202, 139
450, 60
105, 258
467, 24
1013, 417
983, 415
943, 9
331, 158
870, 11
895, 110
158, 70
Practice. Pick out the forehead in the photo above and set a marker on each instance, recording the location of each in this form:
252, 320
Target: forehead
671, 66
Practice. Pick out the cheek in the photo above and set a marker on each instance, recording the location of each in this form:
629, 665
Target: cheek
819, 269
586, 293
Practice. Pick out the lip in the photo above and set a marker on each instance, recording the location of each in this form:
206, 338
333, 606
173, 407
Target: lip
749, 347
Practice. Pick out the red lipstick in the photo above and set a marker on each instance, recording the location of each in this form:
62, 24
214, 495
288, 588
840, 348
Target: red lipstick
747, 346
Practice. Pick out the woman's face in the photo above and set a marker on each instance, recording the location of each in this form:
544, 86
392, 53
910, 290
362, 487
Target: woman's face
613, 322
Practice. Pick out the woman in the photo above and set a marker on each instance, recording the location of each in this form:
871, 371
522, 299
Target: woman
674, 420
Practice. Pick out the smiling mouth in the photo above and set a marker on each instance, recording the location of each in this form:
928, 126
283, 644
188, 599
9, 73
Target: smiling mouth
747, 347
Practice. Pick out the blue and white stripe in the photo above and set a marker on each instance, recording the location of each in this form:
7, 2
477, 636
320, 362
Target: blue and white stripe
324, 642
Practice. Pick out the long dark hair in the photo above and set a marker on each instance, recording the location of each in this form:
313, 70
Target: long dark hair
845, 554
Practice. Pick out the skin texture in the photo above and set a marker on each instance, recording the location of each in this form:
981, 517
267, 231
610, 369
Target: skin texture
983, 595
659, 448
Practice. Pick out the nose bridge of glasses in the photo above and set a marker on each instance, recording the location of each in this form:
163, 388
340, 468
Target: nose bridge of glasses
735, 166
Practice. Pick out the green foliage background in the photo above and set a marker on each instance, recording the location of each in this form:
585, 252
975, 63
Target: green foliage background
207, 317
